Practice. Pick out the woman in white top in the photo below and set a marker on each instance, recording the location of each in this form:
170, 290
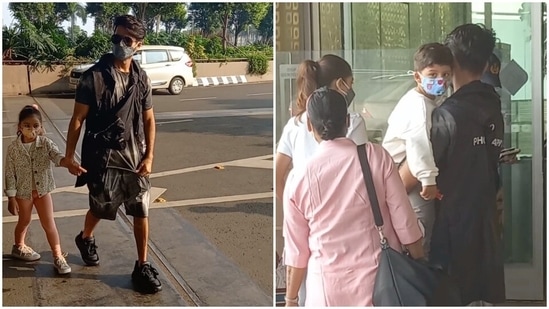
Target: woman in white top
297, 144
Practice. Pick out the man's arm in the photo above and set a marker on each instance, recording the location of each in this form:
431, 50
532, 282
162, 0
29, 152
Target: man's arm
78, 116
150, 132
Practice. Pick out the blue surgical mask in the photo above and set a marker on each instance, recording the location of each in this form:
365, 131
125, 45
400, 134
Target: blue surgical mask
433, 86
121, 51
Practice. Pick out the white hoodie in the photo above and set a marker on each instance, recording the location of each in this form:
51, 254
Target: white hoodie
408, 136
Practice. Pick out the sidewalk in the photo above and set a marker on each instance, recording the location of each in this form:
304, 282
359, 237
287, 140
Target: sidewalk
192, 270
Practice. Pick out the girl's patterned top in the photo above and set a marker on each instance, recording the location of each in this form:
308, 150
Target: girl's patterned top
23, 167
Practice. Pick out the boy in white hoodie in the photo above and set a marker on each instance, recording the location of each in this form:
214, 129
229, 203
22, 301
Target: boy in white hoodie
408, 135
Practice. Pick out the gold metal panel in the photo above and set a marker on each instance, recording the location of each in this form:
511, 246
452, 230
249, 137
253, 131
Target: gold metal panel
287, 24
331, 26
395, 36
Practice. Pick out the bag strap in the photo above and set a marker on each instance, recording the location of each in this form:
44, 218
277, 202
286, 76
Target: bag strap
371, 190
99, 85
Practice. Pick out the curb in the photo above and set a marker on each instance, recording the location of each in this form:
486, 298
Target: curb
219, 80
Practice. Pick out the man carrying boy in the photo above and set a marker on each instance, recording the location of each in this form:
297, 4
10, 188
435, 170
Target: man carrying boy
408, 134
467, 137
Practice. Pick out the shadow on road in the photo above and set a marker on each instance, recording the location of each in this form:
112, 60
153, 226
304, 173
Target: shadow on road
44, 268
265, 209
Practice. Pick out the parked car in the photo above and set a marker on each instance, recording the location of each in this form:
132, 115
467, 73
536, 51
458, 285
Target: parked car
168, 67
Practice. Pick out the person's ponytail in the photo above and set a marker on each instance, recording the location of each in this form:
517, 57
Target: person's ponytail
307, 82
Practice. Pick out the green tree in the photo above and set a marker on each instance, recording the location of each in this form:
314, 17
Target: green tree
266, 26
155, 14
205, 17
71, 11
213, 16
104, 13
175, 18
247, 14
40, 12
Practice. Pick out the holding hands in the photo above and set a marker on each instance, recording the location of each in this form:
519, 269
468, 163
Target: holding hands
73, 166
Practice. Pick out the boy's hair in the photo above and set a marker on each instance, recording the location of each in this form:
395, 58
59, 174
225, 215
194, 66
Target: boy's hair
135, 26
430, 54
471, 45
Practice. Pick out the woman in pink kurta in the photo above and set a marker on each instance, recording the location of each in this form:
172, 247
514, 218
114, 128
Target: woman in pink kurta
328, 223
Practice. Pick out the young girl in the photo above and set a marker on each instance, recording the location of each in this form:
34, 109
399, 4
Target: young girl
29, 181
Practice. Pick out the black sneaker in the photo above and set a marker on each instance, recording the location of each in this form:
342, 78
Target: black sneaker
145, 279
87, 249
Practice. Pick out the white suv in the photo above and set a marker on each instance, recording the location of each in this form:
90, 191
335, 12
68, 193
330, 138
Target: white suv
168, 67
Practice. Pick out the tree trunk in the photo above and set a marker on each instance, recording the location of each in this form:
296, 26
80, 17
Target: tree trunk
73, 17
236, 38
225, 26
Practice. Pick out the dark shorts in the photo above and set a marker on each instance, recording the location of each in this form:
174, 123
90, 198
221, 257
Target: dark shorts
120, 187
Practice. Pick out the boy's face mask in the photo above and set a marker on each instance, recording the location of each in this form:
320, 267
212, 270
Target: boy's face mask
433, 85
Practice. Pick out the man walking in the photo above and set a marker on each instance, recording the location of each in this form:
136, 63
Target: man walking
467, 137
114, 98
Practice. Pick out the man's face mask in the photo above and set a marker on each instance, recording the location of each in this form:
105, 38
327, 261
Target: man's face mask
349, 93
121, 46
433, 85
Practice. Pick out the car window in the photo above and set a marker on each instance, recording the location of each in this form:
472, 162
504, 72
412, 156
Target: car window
156, 56
176, 54
137, 56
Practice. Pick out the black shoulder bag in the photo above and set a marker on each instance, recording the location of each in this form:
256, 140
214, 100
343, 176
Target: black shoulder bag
400, 280
108, 132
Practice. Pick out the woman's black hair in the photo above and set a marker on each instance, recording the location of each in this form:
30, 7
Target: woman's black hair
26, 112
327, 110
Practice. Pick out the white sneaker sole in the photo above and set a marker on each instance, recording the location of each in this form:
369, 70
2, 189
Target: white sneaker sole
26, 259
63, 271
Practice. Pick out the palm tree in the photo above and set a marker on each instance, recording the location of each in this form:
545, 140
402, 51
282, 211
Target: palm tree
76, 10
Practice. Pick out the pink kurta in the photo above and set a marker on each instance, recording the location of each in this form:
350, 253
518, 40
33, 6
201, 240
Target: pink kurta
329, 226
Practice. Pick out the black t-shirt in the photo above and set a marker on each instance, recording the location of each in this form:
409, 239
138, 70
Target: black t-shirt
128, 158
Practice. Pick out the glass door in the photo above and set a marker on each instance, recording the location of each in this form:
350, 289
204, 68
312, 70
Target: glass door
518, 27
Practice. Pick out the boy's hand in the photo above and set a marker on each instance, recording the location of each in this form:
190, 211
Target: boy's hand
13, 207
429, 192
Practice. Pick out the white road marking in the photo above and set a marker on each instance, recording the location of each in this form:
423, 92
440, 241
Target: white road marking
174, 121
254, 162
257, 94
249, 162
197, 99
181, 203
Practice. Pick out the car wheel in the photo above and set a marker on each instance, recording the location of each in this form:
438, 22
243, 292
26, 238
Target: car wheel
176, 85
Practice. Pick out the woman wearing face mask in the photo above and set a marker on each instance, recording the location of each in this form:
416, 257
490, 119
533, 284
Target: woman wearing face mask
408, 135
297, 144
329, 227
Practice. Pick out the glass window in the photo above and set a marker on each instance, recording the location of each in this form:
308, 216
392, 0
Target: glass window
156, 56
176, 54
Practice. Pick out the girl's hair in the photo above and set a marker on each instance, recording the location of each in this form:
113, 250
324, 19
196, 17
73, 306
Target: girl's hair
327, 112
312, 75
26, 112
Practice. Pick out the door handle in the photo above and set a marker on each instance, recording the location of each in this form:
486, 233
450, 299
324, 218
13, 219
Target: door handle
168, 65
